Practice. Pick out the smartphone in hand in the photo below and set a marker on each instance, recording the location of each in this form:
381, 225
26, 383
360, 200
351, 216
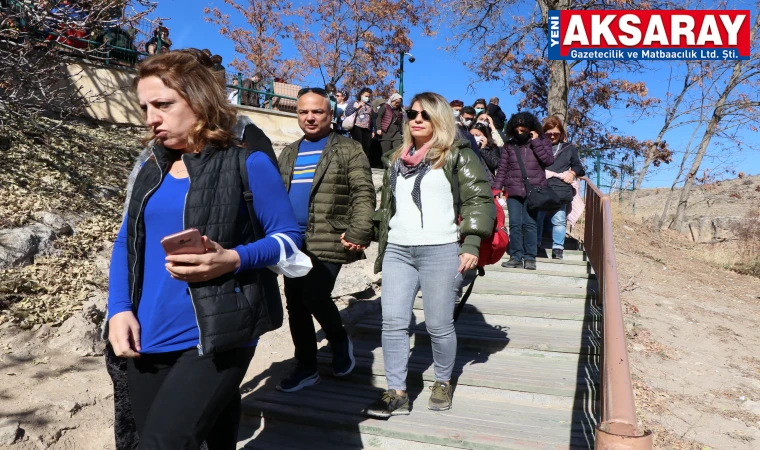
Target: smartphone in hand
186, 242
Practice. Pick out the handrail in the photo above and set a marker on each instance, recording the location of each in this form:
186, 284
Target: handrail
618, 428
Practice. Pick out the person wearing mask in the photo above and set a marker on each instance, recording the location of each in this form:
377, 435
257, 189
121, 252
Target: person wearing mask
362, 130
253, 83
525, 135
421, 245
561, 174
484, 118
389, 122
494, 110
490, 153
188, 324
329, 182
456, 106
479, 105
467, 115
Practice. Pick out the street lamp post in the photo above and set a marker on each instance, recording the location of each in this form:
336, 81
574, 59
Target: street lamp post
401, 72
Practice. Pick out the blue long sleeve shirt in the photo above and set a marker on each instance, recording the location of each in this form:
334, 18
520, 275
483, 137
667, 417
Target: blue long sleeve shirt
166, 315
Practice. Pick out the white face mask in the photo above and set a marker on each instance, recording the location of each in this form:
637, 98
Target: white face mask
365, 99
456, 113
467, 122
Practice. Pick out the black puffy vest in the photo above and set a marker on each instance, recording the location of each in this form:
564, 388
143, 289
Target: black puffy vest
231, 309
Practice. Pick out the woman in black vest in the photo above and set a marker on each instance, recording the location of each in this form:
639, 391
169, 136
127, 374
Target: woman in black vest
189, 324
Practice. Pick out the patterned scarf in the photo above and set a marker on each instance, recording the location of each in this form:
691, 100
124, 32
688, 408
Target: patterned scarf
412, 162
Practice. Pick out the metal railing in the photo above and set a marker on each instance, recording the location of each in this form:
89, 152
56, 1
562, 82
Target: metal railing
276, 96
618, 428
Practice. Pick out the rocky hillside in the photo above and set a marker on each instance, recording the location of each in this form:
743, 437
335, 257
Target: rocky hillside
713, 210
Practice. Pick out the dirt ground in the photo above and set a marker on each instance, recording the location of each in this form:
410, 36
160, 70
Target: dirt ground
62, 400
693, 336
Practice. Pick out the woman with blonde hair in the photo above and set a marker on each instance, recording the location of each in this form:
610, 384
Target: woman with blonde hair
424, 245
188, 324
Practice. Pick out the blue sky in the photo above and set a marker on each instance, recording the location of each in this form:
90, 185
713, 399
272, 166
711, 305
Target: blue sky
438, 71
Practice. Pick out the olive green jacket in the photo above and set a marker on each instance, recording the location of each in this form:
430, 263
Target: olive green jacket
475, 197
342, 198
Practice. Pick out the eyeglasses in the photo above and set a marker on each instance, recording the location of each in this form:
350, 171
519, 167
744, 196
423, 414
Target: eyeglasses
412, 114
318, 91
553, 134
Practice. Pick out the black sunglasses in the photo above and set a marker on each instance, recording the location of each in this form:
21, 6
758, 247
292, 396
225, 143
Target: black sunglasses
412, 114
318, 91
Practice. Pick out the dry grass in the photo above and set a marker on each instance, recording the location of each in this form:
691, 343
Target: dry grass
78, 170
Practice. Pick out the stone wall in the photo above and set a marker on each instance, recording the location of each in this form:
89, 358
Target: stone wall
112, 99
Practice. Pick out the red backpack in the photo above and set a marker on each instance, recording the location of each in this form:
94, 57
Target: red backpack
492, 248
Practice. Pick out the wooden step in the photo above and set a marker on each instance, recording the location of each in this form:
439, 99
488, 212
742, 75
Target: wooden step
514, 371
487, 285
472, 423
514, 277
575, 267
502, 331
546, 307
273, 434
569, 255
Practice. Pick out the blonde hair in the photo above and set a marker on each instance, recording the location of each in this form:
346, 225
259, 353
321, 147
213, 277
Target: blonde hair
444, 128
185, 72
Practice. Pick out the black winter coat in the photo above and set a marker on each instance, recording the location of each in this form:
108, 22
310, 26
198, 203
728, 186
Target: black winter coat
491, 156
497, 115
565, 158
536, 155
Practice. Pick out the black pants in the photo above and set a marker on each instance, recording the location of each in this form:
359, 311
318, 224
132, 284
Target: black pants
311, 296
364, 137
180, 399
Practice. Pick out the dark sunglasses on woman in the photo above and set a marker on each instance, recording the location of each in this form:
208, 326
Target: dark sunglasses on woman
551, 135
412, 114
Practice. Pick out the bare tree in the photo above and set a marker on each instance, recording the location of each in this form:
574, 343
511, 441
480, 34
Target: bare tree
260, 41
504, 44
38, 41
357, 43
736, 108
658, 152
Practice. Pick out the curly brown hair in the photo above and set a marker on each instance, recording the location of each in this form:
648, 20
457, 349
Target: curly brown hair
185, 72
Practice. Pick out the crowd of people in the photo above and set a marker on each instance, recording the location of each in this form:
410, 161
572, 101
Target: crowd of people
183, 326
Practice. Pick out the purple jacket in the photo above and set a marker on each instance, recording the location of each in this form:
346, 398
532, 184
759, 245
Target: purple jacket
536, 156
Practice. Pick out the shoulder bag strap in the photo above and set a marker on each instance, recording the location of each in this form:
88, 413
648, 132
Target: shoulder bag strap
466, 296
528, 186
248, 195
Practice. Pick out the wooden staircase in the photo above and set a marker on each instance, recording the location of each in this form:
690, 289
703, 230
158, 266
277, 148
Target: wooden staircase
526, 375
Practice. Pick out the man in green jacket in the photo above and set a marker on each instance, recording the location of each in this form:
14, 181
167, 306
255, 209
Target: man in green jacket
329, 181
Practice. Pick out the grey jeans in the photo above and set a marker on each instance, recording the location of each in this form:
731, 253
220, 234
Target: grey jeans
406, 270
